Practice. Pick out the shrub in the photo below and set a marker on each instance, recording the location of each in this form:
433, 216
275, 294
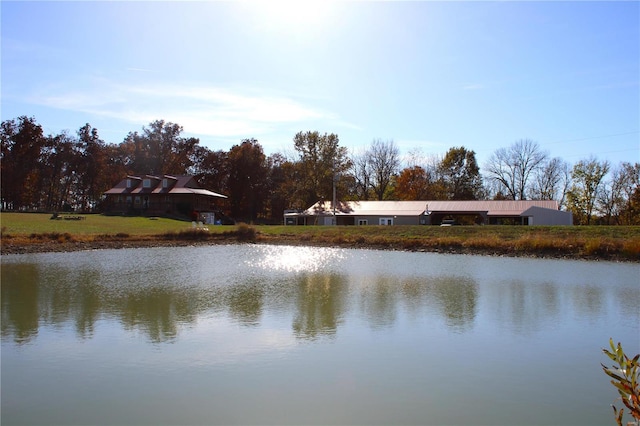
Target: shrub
56, 236
592, 246
631, 248
411, 244
245, 232
111, 237
191, 234
626, 379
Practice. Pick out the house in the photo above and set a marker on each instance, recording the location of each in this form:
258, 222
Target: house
161, 196
524, 212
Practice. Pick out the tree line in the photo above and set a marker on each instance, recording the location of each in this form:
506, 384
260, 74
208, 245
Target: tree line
71, 171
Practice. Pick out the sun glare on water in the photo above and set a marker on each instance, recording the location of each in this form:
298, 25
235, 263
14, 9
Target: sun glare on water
295, 259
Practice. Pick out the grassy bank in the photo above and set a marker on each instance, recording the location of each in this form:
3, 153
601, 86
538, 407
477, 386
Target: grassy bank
594, 242
23, 232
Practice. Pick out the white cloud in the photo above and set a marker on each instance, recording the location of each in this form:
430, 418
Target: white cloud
201, 110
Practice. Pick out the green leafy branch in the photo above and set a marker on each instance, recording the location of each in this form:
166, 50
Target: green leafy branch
626, 377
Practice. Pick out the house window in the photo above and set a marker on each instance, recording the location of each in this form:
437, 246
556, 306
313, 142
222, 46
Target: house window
146, 183
129, 184
363, 222
137, 201
129, 199
165, 183
386, 221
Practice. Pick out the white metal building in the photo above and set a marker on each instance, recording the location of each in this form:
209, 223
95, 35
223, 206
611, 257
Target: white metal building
525, 212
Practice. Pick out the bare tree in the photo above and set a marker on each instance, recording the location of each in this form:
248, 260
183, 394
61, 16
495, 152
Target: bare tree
610, 199
617, 193
631, 187
551, 181
384, 162
512, 167
361, 173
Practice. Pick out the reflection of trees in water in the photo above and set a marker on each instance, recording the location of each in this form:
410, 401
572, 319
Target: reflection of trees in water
525, 306
588, 300
457, 298
453, 297
19, 299
31, 296
154, 310
34, 294
320, 305
245, 303
629, 299
55, 295
378, 302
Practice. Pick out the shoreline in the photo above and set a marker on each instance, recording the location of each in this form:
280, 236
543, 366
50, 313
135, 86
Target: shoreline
53, 246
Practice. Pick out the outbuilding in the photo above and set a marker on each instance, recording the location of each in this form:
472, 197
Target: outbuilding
493, 212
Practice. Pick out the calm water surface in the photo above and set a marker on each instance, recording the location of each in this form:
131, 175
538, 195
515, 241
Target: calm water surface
253, 334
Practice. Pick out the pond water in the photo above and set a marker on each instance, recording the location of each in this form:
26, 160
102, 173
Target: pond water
257, 334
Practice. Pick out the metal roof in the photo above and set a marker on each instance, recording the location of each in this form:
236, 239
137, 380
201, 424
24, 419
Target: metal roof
177, 185
415, 208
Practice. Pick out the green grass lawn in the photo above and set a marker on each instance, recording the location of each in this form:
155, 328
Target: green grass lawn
603, 241
93, 224
96, 224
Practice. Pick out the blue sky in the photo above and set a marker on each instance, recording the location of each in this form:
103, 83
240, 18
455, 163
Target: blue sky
428, 75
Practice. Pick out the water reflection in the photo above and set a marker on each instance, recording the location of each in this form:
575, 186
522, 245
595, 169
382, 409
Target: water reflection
19, 297
378, 302
318, 302
452, 298
457, 299
245, 303
248, 334
315, 290
524, 310
319, 305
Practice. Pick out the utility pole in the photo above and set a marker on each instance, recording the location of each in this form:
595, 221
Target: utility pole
335, 221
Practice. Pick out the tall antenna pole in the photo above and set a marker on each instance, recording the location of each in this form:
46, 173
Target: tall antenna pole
335, 221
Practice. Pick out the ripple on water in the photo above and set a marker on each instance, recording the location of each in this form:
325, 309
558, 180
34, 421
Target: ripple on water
295, 258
